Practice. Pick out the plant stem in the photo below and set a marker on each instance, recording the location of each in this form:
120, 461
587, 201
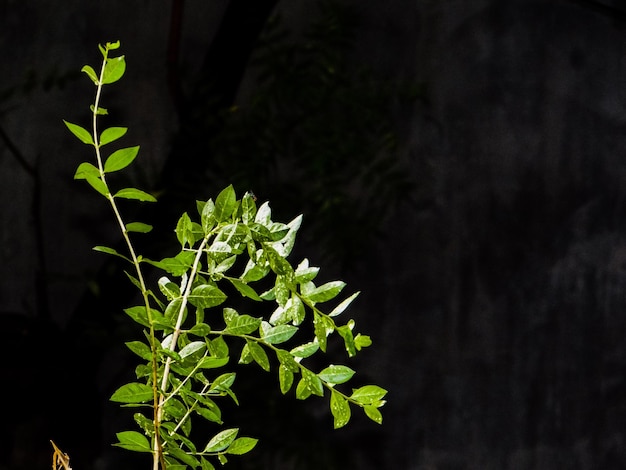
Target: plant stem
157, 451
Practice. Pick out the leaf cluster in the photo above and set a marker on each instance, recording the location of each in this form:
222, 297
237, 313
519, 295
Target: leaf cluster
229, 247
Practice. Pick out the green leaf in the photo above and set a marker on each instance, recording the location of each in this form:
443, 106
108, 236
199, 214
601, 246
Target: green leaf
305, 350
340, 409
141, 349
278, 264
323, 326
248, 208
264, 214
259, 355
100, 111
287, 360
345, 332
362, 341
113, 70
192, 348
225, 203
373, 413
343, 305
223, 382
80, 132
134, 193
326, 291
168, 288
244, 289
120, 159
304, 273
206, 296
207, 218
132, 440
285, 379
184, 230
205, 464
368, 394
277, 334
242, 445
210, 362
242, 325
336, 374
112, 134
110, 251
96, 183
200, 329
221, 440
133, 392
85, 169
310, 384
138, 227
91, 73
184, 457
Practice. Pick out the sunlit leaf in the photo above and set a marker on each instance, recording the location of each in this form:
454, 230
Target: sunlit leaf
80, 132
244, 289
113, 70
138, 227
133, 392
326, 291
278, 334
225, 204
120, 159
340, 409
343, 305
373, 413
112, 134
336, 374
91, 73
85, 169
368, 394
242, 445
110, 251
206, 296
132, 440
96, 183
285, 379
259, 355
221, 440
134, 193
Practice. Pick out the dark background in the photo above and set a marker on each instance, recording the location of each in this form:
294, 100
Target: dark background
460, 163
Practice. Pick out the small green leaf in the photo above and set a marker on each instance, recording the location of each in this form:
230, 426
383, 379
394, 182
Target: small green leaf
259, 355
368, 394
210, 362
207, 218
278, 334
206, 296
248, 208
264, 214
362, 341
200, 329
305, 350
96, 183
138, 227
345, 332
110, 251
244, 289
221, 440
343, 305
113, 70
132, 440
80, 132
304, 273
340, 409
373, 413
184, 230
285, 379
336, 374
91, 73
120, 159
192, 348
100, 111
326, 291
242, 325
242, 445
85, 169
223, 382
141, 349
112, 134
225, 204
206, 465
133, 392
287, 360
133, 193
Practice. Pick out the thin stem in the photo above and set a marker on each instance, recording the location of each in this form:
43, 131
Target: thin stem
157, 451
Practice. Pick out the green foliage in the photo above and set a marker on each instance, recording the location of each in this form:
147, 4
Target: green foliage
231, 246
